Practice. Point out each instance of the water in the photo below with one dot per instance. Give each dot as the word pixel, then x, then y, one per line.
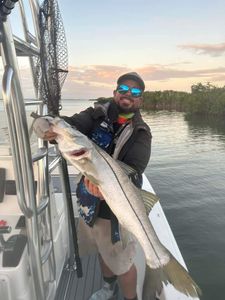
pixel 4 133
pixel 187 171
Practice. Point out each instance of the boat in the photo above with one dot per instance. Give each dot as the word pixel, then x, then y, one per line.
pixel 39 256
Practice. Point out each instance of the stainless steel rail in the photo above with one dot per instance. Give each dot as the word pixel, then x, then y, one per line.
pixel 48 250
pixel 35 206
pixel 34 102
pixel 24 48
pixel 44 202
pixel 41 157
pixel 54 164
pixel 42 152
pixel 23 161
pixel 6 92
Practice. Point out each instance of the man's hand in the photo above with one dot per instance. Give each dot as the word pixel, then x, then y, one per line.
pixel 49 135
pixel 92 188
pixel 43 129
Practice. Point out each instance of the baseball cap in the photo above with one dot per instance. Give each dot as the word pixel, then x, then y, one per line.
pixel 134 76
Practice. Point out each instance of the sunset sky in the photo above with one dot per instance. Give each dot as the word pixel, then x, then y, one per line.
pixel 171 44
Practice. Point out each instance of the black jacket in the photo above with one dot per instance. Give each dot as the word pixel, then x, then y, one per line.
pixel 136 150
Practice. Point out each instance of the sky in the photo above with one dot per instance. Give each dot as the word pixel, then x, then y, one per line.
pixel 171 44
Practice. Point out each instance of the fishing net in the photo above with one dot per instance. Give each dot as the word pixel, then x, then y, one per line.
pixel 52 64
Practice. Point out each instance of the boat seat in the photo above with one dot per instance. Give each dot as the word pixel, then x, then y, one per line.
pixel 10 187
pixel 13 250
pixel 21 224
pixel 2 183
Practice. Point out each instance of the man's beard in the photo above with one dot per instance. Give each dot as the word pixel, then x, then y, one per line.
pixel 126 110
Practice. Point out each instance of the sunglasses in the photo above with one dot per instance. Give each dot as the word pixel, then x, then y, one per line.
pixel 123 89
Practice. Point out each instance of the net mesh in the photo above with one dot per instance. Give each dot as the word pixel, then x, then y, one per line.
pixel 52 65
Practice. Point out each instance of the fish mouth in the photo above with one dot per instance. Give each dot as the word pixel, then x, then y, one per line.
pixel 78 153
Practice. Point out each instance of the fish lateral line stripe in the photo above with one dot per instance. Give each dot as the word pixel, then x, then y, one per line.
pixel 131 206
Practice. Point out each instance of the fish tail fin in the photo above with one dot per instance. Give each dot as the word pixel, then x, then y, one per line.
pixel 179 277
pixel 152 283
pixel 173 273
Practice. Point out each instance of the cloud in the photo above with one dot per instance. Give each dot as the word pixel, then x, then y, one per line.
pixel 107 75
pixel 88 82
pixel 209 49
pixel 218 78
pixel 83 90
pixel 159 72
pixel 99 80
pixel 96 73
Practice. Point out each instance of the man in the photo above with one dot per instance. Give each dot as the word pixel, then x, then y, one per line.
pixel 117 127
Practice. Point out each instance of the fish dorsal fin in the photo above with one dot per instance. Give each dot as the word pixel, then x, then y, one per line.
pixel 149 200
pixel 127 169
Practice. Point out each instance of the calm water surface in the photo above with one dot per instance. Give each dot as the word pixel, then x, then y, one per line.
pixel 187 171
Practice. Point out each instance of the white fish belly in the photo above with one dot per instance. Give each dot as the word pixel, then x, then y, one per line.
pixel 121 196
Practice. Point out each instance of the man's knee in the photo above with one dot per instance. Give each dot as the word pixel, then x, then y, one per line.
pixel 130 275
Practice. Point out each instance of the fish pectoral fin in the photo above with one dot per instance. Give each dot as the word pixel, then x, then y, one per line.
pixel 149 200
pixel 78 177
pixel 127 169
pixel 92 179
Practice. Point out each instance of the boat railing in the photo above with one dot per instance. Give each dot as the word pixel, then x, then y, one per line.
pixel 15 137
pixel 33 202
pixel 22 161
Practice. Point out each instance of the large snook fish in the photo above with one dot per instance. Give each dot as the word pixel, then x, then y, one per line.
pixel 127 203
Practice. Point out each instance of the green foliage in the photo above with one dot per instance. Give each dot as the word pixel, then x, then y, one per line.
pixel 165 100
pixel 204 99
pixel 207 100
